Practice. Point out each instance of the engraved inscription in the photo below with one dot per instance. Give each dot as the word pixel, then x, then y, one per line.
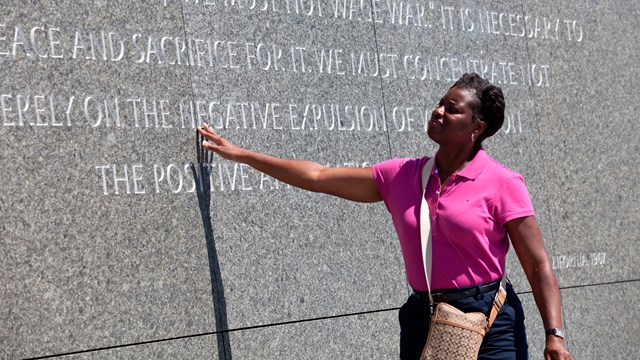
pixel 593 259
pixel 429 15
pixel 250 55
pixel 125 179
pixel 36 110
pixel 175 178
pixel 510 24
pixel 139 112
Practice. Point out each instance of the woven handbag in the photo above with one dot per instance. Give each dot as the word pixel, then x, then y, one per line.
pixel 453 334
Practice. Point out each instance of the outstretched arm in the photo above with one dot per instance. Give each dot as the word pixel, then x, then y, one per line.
pixel 527 242
pixel 356 184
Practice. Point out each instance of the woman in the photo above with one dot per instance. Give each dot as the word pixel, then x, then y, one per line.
pixel 474 203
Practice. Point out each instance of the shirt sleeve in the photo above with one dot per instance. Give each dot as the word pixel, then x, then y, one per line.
pixel 513 200
pixel 383 174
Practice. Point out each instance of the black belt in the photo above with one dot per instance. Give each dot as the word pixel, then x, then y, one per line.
pixel 457 294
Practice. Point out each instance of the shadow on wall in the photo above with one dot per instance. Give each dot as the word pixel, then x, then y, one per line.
pixel 201 173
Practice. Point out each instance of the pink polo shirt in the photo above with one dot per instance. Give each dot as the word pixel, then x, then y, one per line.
pixel 470 242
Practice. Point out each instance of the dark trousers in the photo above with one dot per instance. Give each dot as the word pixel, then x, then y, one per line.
pixel 506 339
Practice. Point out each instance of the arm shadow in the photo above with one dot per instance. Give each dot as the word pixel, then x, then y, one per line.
pixel 201 175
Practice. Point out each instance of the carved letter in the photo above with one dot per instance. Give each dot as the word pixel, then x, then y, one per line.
pixel 178 188
pixel 34 43
pixel 2 39
pixel 158 175
pixel 97 122
pixel 53 42
pixel 137 188
pixel 37 102
pixel 115 39
pixel 104 178
pixel 5 110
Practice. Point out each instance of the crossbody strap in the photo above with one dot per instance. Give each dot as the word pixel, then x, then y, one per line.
pixel 498 301
pixel 426 247
pixel 425 226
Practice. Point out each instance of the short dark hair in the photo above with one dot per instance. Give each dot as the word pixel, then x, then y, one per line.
pixel 490 105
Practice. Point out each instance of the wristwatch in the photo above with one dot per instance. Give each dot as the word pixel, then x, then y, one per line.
pixel 555 332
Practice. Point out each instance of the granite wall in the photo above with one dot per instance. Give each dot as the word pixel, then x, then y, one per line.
pixel 116 242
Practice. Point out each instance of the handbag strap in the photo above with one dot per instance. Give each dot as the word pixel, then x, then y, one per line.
pixel 425 226
pixel 426 248
pixel 498 301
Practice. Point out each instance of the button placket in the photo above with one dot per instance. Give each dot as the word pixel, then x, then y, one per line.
pixel 437 202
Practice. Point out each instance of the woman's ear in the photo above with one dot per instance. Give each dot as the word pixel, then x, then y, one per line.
pixel 478 128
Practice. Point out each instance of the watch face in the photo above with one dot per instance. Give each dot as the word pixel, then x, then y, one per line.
pixel 555 332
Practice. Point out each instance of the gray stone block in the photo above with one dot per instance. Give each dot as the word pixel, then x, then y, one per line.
pixel 322 269
pixel 202 347
pixel 289 253
pixel 601 322
pixel 588 144
pixel 592 322
pixel 82 269
pixel 366 336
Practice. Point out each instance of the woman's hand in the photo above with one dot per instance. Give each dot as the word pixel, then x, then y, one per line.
pixel 555 349
pixel 220 145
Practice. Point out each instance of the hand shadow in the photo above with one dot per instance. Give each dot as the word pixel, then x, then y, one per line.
pixel 201 173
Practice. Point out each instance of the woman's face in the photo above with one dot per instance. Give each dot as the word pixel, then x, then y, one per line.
pixel 452 120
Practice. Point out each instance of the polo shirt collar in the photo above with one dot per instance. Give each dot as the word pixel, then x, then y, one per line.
pixel 474 168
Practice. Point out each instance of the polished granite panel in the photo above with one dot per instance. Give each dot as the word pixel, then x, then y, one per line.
pixel 588 140
pixel 283 82
pixel 95 249
pixel 597 326
pixel 602 321
pixel 365 336
pixel 201 347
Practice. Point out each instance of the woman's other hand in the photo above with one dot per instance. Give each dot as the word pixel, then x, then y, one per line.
pixel 555 349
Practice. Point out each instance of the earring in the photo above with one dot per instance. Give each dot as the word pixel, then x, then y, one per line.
pixel 472 139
